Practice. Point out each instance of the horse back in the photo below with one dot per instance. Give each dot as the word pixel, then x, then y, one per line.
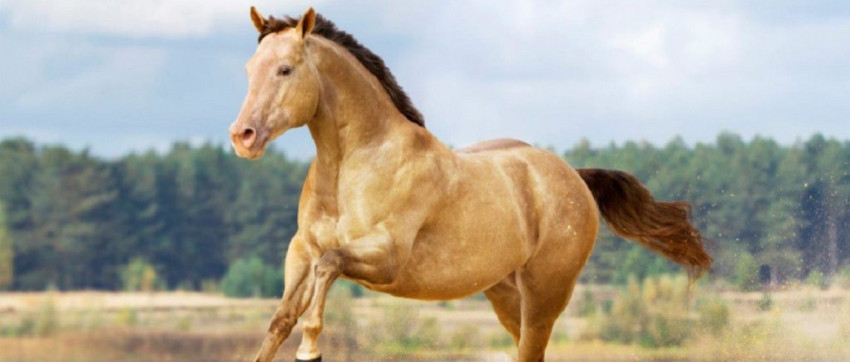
pixel 493 145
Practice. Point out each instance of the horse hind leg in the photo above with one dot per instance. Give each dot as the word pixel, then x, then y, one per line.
pixel 545 285
pixel 505 298
pixel 540 308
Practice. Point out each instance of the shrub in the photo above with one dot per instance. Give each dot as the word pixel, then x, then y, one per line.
pixel 713 315
pixel 252 278
pixel 428 334
pixel 401 333
pixel 765 303
pixel 139 275
pixel 127 317
pixel 7 254
pixel 354 290
pixel 587 305
pixel 339 316
pixel 43 322
pixel 47 320
pixel 400 322
pixel 818 279
pixel 500 340
pixel 465 338
pixel 656 313
pixel 746 273
pixel 843 277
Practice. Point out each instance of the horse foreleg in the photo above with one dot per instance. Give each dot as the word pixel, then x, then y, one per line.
pixel 365 259
pixel 298 289
pixel 329 268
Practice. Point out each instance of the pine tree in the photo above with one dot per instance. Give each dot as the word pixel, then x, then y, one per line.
pixel 7 253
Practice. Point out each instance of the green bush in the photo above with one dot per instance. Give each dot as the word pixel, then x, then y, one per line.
pixel 587 305
pixel 139 275
pixel 501 340
pixel 339 317
pixel 252 278
pixel 44 322
pixel 818 279
pixel 713 315
pixel 843 277
pixel 7 254
pixel 400 324
pixel 765 303
pixel 746 273
pixel 465 338
pixel 401 333
pixel 354 290
pixel 656 313
pixel 47 320
pixel 428 334
pixel 127 317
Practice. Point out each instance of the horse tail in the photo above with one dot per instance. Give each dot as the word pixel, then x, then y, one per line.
pixel 632 213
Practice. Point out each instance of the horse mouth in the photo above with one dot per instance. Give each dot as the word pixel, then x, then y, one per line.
pixel 251 156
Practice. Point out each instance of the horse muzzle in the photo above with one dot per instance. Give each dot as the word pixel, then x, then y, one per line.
pixel 248 141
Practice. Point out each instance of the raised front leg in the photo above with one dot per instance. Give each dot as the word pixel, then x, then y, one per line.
pixel 367 259
pixel 327 270
pixel 298 284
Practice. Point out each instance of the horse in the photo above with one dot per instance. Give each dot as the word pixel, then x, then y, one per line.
pixel 388 206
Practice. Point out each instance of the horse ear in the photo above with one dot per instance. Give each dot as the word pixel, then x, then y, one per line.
pixel 257 19
pixel 305 25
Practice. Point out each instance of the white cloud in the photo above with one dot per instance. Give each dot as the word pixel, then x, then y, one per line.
pixel 120 74
pixel 620 70
pixel 546 72
pixel 133 18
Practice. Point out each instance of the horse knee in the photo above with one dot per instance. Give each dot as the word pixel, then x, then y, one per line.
pixel 282 322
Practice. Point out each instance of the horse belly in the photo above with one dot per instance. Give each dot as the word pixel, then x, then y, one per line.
pixel 458 262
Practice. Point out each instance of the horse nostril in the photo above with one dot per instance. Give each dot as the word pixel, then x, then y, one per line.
pixel 248 137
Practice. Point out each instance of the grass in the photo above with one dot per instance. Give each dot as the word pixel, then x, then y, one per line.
pixel 802 322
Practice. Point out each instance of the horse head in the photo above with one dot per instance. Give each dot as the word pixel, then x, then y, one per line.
pixel 283 87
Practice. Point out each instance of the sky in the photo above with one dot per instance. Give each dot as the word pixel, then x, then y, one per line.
pixel 128 76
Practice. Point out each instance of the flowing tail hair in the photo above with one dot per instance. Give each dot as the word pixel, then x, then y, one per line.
pixel 632 213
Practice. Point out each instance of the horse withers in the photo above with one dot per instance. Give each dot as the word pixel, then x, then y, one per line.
pixel 387 205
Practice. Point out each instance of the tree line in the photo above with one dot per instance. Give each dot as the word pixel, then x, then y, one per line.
pixel 70 220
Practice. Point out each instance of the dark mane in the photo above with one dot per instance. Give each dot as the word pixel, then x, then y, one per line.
pixel 326 29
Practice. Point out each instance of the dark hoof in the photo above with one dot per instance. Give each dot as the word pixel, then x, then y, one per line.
pixel 317 359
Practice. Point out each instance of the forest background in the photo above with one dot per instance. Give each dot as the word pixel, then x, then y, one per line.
pixel 199 218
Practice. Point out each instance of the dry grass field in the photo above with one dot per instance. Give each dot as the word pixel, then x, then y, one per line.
pixel 799 323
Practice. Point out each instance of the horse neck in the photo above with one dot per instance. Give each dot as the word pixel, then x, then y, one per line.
pixel 354 111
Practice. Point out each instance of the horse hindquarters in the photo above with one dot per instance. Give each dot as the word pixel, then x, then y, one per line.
pixel 567 227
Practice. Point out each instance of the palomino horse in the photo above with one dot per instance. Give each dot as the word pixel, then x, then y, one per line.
pixel 388 206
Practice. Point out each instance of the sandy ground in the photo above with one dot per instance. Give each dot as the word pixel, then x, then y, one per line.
pixel 808 321
pixel 82 300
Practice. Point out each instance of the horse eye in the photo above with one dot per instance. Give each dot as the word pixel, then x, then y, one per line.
pixel 284 70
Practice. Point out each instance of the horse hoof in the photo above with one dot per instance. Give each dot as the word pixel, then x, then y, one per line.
pixel 317 359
